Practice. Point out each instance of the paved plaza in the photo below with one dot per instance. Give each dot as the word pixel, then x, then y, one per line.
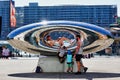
pixel 100 68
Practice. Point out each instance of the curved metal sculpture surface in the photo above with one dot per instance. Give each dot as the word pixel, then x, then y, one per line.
pixel 33 38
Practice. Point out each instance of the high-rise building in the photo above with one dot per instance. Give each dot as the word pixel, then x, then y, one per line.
pixel 19 16
pixel 4 18
pixel 101 15
pixel 6 8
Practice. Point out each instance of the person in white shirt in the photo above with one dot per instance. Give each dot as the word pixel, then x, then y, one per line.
pixel 5 52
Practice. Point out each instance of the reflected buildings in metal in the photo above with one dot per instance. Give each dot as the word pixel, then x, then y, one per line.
pixel 32 38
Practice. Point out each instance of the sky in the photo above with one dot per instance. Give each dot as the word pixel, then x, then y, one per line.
pixel 69 2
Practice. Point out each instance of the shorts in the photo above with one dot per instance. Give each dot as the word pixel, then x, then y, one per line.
pixel 69 64
pixel 78 57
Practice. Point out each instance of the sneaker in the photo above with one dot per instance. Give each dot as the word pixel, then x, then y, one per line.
pixel 78 73
pixel 71 71
pixel 67 71
pixel 85 69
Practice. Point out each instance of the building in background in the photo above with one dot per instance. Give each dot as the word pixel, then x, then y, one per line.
pixel 101 15
pixel 5 9
pixel 4 18
pixel 19 16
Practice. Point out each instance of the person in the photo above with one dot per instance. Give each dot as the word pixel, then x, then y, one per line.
pixel 57 42
pixel 69 61
pixel 5 52
pixel 61 53
pixel 78 55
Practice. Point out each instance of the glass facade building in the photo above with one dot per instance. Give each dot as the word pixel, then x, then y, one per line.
pixel 5 21
pixel 19 16
pixel 4 18
pixel 101 15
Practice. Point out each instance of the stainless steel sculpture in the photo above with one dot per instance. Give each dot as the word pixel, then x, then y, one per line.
pixel 32 38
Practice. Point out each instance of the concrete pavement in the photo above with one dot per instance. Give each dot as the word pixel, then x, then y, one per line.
pixel 100 68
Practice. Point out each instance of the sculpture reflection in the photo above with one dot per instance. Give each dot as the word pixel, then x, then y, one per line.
pixel 34 38
pixel 56 43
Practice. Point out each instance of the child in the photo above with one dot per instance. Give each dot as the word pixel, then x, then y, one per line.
pixel 61 54
pixel 69 61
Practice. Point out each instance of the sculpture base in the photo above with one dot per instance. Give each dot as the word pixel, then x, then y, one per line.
pixel 52 64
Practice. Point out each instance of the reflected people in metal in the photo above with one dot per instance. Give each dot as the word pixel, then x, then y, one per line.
pixel 45 37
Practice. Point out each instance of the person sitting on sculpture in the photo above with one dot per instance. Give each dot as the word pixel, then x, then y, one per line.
pixel 57 42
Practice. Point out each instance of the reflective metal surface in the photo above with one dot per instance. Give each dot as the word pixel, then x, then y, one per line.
pixel 33 38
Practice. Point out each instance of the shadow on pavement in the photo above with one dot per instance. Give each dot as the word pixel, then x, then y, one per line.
pixel 88 75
